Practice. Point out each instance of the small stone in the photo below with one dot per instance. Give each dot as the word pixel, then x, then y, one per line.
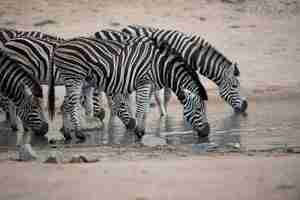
pixel 115 24
pixel 76 159
pixel 233 1
pixel 44 22
pixel 202 18
pixel 234 145
pixel 250 154
pixel 88 159
pixel 55 157
pixel 153 141
pixel 26 153
pixel 293 149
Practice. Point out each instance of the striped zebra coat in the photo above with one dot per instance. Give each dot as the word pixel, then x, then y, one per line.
pixel 116 68
pixel 14 82
pixel 201 57
pixel 168 70
pixel 110 34
pixel 32 51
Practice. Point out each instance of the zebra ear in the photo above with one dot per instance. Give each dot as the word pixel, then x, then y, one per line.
pixel 236 71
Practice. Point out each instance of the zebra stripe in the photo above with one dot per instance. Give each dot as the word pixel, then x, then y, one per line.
pixel 13 84
pixel 114 67
pixel 201 57
pixel 170 71
pixel 32 50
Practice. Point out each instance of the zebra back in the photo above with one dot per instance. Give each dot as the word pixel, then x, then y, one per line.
pixel 15 76
pixel 197 52
pixel 166 53
pixel 33 55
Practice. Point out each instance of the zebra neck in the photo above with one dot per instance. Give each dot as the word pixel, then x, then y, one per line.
pixel 206 60
pixel 196 52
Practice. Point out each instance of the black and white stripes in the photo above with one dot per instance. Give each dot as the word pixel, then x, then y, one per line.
pixel 13 83
pixel 201 57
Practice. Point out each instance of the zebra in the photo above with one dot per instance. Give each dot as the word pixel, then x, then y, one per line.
pixel 201 57
pixel 14 82
pixel 32 50
pixel 162 66
pixel 6 35
pixel 116 68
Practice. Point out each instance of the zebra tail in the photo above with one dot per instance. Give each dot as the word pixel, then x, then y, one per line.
pixel 51 89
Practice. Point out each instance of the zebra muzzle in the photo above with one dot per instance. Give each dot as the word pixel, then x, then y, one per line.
pixel 243 107
pixel 131 124
pixel 204 132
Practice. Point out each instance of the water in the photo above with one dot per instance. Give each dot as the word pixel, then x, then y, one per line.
pixel 268 124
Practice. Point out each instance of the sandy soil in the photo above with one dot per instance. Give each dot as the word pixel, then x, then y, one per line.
pixel 206 177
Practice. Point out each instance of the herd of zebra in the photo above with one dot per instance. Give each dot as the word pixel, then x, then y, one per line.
pixel 116 63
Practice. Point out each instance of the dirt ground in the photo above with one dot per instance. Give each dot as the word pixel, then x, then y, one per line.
pixel 207 177
pixel 261 35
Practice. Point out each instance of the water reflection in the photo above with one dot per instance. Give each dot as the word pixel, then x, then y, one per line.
pixel 268 124
pixel 225 133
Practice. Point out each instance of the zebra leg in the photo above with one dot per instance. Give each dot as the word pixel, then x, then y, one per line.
pixel 87 93
pixel 72 106
pixel 131 103
pixel 142 107
pixel 159 96
pixel 13 116
pixel 98 99
pixel 65 115
pixel 167 96
pixel 120 107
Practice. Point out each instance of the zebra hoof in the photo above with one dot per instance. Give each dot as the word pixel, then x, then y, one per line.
pixel 131 124
pixel 66 134
pixel 80 136
pixel 204 132
pixel 100 114
pixel 43 130
pixel 139 134
pixel 14 128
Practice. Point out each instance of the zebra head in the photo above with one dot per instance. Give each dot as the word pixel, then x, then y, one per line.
pixel 194 111
pixel 32 115
pixel 229 89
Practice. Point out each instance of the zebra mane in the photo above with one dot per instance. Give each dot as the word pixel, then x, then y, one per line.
pixel 41 36
pixel 203 43
pixel 193 38
pixel 170 51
